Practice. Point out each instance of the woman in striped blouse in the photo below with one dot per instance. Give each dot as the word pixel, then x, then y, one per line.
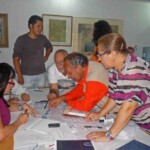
pixel 129 87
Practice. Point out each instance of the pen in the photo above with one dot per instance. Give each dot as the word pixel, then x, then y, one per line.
pixel 42 101
pixel 46 104
pixel 88 126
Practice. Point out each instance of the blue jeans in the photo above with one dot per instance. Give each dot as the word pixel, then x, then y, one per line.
pixel 35 81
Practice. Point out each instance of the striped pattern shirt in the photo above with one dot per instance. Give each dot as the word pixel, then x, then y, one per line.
pixel 133 84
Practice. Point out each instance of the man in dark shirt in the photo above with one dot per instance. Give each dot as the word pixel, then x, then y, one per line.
pixel 29 56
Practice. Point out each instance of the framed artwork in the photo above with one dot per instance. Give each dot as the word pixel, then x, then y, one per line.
pixel 83 30
pixel 58 29
pixel 3 30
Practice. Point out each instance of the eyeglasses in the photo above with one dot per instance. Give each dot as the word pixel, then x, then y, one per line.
pixel 100 55
pixel 12 83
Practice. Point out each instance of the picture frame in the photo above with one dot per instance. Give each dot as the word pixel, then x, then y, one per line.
pixel 58 29
pixel 3 30
pixel 83 30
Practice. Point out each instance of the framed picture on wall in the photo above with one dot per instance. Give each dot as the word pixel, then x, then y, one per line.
pixel 58 29
pixel 3 30
pixel 83 30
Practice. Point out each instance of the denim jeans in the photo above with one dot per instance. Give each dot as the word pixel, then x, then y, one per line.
pixel 35 81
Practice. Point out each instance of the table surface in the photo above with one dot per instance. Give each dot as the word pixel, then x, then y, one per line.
pixel 75 131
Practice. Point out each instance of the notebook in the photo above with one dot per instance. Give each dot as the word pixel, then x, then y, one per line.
pixel 134 145
pixel 74 145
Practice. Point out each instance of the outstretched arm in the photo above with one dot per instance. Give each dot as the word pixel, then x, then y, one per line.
pixel 8 130
pixel 124 115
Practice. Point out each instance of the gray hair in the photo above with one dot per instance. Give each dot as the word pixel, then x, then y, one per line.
pixel 76 59
pixel 61 51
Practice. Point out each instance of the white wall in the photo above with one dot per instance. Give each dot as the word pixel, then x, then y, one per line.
pixel 135 14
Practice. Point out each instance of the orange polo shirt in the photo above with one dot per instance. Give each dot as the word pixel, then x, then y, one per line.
pixel 87 93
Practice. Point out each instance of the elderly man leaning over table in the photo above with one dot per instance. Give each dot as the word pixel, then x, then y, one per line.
pixel 91 80
pixel 57 75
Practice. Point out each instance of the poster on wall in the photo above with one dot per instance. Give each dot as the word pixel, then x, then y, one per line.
pixel 3 30
pixel 58 29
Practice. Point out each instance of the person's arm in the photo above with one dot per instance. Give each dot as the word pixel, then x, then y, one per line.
pixel 95 91
pixel 18 107
pixel 54 91
pixel 16 61
pixel 9 130
pixel 124 115
pixel 76 93
pixel 18 89
pixel 47 53
pixel 106 109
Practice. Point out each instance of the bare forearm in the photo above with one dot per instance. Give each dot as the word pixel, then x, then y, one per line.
pixel 122 119
pixel 48 52
pixel 10 130
pixel 16 62
pixel 107 107
pixel 54 91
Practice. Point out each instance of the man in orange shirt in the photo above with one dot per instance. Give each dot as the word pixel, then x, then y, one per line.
pixel 91 80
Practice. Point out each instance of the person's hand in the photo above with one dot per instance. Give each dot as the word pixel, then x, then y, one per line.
pixel 45 58
pixel 13 107
pixel 20 80
pixel 98 136
pixel 55 102
pixel 23 118
pixel 25 97
pixel 92 116
pixel 14 100
pixel 51 96
pixel 30 110
pixel 67 109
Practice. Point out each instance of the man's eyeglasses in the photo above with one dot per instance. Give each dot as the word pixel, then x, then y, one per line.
pixel 12 83
pixel 100 55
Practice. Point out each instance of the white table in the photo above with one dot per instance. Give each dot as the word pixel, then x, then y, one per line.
pixel 78 131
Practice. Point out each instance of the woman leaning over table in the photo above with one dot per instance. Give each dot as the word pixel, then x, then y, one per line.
pixel 7 75
pixel 129 87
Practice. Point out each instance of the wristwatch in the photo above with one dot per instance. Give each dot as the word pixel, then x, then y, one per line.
pixel 109 135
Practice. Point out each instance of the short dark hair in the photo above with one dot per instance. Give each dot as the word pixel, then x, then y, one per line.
pixel 32 20
pixel 101 28
pixel 76 59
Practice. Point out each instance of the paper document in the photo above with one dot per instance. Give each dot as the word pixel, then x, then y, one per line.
pixel 73 112
pixel 41 125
